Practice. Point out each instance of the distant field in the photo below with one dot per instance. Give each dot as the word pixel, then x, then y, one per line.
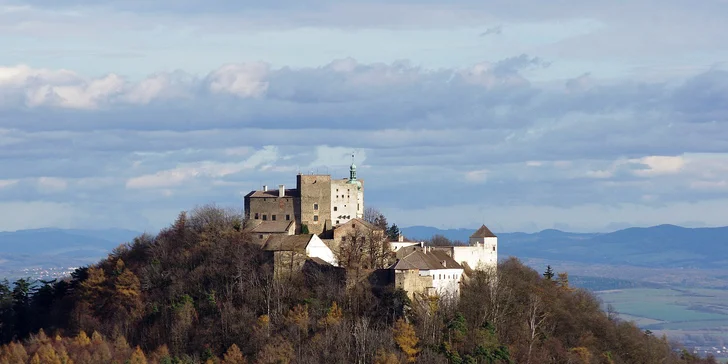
pixel 693 308
pixel 695 317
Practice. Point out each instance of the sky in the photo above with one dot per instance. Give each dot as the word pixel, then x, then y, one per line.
pixel 523 115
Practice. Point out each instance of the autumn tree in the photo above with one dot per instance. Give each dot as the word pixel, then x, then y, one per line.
pixel 406 339
pixel 233 356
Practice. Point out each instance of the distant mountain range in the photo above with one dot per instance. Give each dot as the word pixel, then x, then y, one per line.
pixel 662 246
pixel 51 248
pixel 658 246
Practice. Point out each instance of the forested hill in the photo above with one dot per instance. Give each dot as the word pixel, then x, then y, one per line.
pixel 200 292
pixel 656 246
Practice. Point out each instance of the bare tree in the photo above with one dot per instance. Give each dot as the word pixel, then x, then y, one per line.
pixel 536 317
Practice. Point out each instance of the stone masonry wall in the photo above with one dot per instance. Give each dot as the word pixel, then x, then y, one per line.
pixel 315 192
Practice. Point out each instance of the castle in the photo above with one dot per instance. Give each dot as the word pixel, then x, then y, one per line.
pixel 309 223
pixel 317 204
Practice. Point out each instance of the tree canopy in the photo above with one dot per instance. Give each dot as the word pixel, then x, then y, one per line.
pixel 202 292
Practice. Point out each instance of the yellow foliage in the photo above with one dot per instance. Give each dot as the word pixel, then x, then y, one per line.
pixel 298 316
pixel 47 355
pixel 82 339
pixel 93 286
pixel 63 355
pixel 385 357
pixel 96 338
pixel 583 353
pixel 233 356
pixel 137 357
pixel 277 351
pixel 333 317
pixel 15 353
pixel 35 359
pixel 406 339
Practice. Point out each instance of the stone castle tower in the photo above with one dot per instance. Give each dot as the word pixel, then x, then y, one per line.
pixel 317 204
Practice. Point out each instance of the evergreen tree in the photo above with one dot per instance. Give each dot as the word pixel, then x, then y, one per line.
pixel 549 274
pixel 393 232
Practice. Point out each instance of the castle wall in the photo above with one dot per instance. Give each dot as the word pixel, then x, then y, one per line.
pixel 315 201
pixel 347 201
pixel 476 256
pixel 445 282
pixel 286 263
pixel 280 207
pixel 354 228
pixel 413 283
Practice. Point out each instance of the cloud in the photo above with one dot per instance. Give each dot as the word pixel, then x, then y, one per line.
pixel 497 30
pixel 51 184
pixel 657 165
pixel 477 176
pixel 7 182
pixel 173 140
pixel 209 169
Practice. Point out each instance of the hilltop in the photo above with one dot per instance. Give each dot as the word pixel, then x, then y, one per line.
pixel 201 288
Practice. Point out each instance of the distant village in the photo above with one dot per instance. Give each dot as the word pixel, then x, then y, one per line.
pixel 321 223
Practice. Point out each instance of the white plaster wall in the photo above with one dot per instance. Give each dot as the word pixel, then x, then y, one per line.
pixel 445 281
pixel 344 197
pixel 475 256
pixel 316 248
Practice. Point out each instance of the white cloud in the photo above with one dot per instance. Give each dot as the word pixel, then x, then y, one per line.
pixel 242 80
pixel 51 184
pixel 477 175
pixel 207 169
pixel 7 182
pixel 326 156
pixel 659 165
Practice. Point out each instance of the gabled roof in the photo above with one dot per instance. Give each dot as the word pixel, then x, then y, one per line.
pixel 483 232
pixel 430 260
pixel 277 243
pixel 363 222
pixel 272 227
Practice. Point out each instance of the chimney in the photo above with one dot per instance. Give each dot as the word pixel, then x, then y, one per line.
pixel 444 263
pixel 265 188
pixel 281 190
pixel 400 238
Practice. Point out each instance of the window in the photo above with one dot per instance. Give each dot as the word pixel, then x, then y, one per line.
pixel 315 206
pixel 337 222
pixel 353 226
pixel 315 217
pixel 260 236
pixel 336 208
pixel 256 216
pixel 265 217
pixel 273 217
pixel 288 217
pixel 493 248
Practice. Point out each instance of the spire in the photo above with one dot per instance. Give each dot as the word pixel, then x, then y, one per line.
pixel 352 169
